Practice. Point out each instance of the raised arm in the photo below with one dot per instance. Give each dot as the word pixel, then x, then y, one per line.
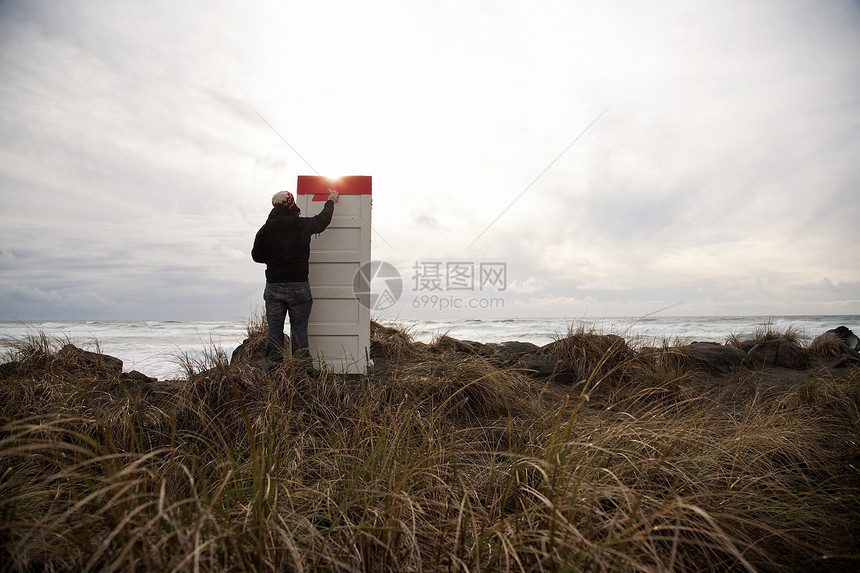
pixel 318 223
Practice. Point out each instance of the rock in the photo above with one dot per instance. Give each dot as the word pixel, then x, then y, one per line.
pixel 840 343
pixel 587 344
pixel 585 355
pixel 835 336
pixel 386 341
pixel 508 353
pixel 780 353
pixel 714 356
pixel 89 359
pixel 253 349
pixel 845 361
pixel 502 353
pixel 9 369
pixel 747 345
pixel 139 377
pixel 450 364
pixel 544 366
pixel 848 337
pixel 448 343
pixel 515 347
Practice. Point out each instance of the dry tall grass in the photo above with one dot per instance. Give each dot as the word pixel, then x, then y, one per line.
pixel 439 461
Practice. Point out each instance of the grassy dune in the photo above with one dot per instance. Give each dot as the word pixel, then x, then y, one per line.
pixel 441 461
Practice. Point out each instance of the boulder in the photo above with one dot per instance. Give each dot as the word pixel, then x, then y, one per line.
pixel 88 359
pixel 848 337
pixel 779 352
pixel 588 345
pixel 513 347
pixel 253 349
pixel 9 369
pixel 837 338
pixel 714 356
pixel 845 361
pixel 450 344
pixel 544 366
pixel 139 377
pixel 510 352
pixel 386 341
pixel 840 343
pixel 583 355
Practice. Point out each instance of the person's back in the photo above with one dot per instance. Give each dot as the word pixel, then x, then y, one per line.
pixel 283 245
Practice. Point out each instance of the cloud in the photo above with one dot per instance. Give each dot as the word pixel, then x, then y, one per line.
pixel 429 221
pixel 528 286
pixel 134 171
pixel 24 294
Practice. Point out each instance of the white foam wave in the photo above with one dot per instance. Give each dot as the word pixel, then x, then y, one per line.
pixel 157 348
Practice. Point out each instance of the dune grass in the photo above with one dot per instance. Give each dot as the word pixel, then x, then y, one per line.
pixel 766 331
pixel 438 462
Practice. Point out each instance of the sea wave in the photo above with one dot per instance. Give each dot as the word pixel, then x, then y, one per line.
pixel 160 347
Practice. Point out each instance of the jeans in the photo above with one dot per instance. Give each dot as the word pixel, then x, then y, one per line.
pixel 282 298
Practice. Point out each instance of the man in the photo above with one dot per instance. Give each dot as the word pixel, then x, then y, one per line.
pixel 284 245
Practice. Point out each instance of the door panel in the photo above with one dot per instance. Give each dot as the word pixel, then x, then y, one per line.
pixel 339 327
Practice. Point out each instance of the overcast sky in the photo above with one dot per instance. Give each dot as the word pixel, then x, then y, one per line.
pixel 722 178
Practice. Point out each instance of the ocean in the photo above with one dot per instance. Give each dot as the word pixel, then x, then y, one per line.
pixel 159 348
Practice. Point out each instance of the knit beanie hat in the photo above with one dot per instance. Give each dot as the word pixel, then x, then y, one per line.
pixel 285 199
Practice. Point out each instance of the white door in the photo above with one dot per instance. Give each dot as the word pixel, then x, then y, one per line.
pixel 339 327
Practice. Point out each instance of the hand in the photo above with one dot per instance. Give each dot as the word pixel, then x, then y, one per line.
pixel 333 195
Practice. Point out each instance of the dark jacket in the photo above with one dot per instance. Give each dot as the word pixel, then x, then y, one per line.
pixel 284 243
